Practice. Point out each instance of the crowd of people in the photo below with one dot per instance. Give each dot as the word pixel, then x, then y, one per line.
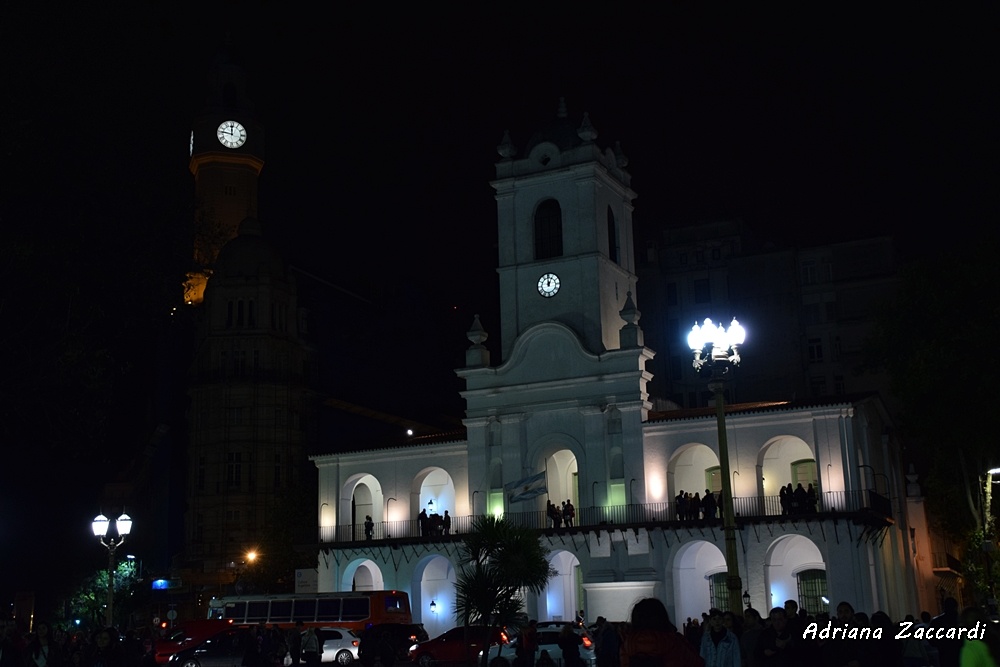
pixel 789 637
pixel 693 507
pixel 798 500
pixel 48 646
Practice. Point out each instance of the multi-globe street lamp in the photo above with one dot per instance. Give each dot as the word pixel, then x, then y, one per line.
pixel 716 350
pixel 123 526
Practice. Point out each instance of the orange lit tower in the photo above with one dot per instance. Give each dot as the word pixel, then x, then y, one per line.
pixel 227 155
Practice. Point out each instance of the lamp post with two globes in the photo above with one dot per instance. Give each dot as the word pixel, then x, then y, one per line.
pixel 123 526
pixel 716 350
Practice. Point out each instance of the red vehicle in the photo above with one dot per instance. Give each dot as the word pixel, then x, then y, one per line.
pixel 457 645
pixel 190 633
pixel 355 611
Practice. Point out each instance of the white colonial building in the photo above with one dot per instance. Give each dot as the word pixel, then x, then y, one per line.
pixel 569 400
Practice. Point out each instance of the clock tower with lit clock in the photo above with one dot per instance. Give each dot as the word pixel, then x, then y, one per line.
pixel 565 221
pixel 227 155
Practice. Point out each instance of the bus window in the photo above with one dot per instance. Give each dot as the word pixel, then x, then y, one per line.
pixel 328 610
pixel 394 605
pixel 237 611
pixel 355 609
pixel 304 610
pixel 281 611
pixel 257 611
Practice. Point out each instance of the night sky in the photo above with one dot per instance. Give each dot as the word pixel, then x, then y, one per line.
pixel 381 135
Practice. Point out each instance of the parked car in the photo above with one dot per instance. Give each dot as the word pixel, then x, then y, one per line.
pixel 548 638
pixel 389 642
pixel 225 649
pixel 457 645
pixel 186 635
pixel 340 645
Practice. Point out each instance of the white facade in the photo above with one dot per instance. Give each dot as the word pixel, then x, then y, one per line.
pixel 569 400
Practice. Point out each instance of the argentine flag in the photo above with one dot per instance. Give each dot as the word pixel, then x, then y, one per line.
pixel 527 488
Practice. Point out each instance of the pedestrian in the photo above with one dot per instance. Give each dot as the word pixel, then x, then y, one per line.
pixel 369 526
pixel 310 648
pixel 446 523
pixel 710 505
pixel 294 641
pixel 422 522
pixel 653 640
pixel 527 644
pixel 569 513
pixel 569 643
pixel 682 506
pixel 719 646
pixel 785 500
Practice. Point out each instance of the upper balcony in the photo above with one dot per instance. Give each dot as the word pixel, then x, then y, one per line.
pixel 865 507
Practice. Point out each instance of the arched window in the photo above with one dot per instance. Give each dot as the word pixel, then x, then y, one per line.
pixel 548 230
pixel 613 248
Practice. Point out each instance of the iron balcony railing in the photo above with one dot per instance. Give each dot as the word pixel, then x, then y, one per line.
pixel 752 508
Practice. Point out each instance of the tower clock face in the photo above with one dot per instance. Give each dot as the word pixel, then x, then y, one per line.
pixel 231 134
pixel 548 285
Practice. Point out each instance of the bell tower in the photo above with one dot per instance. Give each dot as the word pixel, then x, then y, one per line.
pixel 227 156
pixel 565 229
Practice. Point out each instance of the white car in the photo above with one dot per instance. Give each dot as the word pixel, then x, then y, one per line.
pixel 340 645
pixel 548 637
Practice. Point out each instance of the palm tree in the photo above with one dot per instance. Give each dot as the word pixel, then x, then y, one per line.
pixel 499 560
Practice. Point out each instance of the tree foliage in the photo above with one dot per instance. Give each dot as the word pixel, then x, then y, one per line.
pixel 87 603
pixel 498 561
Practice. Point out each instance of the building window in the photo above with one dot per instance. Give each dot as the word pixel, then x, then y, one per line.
pixel 718 592
pixel 239 313
pixel 683 259
pixel 252 314
pixel 716 254
pixel 675 367
pixel 713 479
pixel 234 468
pixel 699 256
pixel 613 248
pixel 812 590
pixel 702 291
pixel 815 350
pixel 671 294
pixel 839 386
pixel 548 230
pixel 817 386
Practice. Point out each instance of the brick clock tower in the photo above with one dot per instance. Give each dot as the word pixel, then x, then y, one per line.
pixel 227 155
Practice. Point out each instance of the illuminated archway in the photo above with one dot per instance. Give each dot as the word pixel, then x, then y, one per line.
pixel 786 558
pixel 362 574
pixel 434 581
pixel 360 497
pixel 688 469
pixel 433 491
pixel 776 459
pixel 561 598
pixel 694 565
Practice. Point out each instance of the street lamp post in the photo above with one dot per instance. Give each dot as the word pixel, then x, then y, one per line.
pixel 716 350
pixel 123 526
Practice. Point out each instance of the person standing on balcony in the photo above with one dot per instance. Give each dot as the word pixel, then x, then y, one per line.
pixel 369 526
pixel 682 506
pixel 569 513
pixel 708 502
pixel 785 499
pixel 446 523
pixel 811 499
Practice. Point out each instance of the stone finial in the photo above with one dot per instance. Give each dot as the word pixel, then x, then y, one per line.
pixel 620 157
pixel 630 334
pixel 477 355
pixel 587 131
pixel 562 112
pixel 506 149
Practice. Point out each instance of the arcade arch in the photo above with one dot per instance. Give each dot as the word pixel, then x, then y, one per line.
pixel 696 567
pixel 433 491
pixel 563 594
pixel 794 569
pixel 783 460
pixel 690 469
pixel 362 575
pixel 434 580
